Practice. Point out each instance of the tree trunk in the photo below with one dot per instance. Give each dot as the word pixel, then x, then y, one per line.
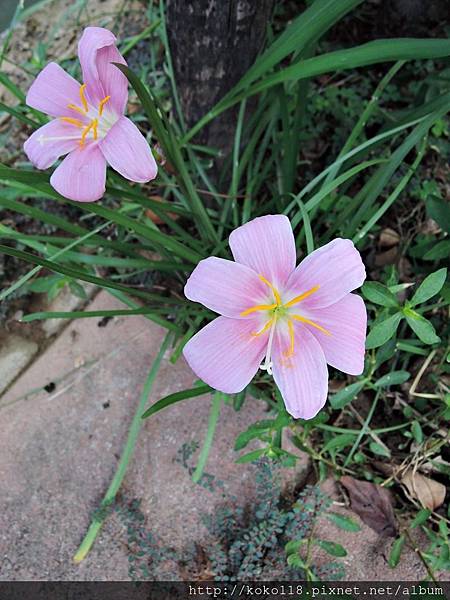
pixel 213 43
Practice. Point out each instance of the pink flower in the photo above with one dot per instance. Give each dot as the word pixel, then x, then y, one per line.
pixel 288 321
pixel 89 123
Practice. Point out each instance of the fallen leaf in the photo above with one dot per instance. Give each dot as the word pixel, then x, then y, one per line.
pixel 334 385
pixel 389 238
pixel 387 258
pixel 430 227
pixel 153 216
pixel 373 504
pixel 430 493
pixel 383 467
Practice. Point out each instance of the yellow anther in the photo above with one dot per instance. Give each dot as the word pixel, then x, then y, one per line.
pixel 298 299
pixel 83 98
pixel 308 322
pixel 290 351
pixel 94 128
pixel 77 109
pixel 86 130
pixel 264 329
pixel 258 307
pixel 102 104
pixel 75 122
pixel 276 293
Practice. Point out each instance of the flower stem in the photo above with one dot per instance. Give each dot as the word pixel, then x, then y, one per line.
pixel 127 454
pixel 212 422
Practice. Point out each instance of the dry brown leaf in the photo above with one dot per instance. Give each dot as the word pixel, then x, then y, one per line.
pixel 430 493
pixel 387 258
pixel 334 385
pixel 389 238
pixel 373 504
pixel 384 467
pixel 430 227
pixel 153 216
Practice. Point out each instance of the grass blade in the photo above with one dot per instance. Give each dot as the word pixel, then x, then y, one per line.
pixel 127 454
pixel 212 423
pixel 85 314
pixel 172 150
pixel 176 397
pixel 374 52
pixel 84 276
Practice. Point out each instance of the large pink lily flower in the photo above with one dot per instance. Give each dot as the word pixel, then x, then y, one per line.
pixel 89 123
pixel 288 321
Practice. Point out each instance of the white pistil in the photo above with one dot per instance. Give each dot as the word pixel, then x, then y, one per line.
pixel 47 138
pixel 267 364
pixel 95 123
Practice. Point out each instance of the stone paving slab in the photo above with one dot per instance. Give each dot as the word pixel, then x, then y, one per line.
pixel 59 449
pixel 15 353
pixel 64 424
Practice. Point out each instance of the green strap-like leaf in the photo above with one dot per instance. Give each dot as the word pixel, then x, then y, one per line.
pixel 176 397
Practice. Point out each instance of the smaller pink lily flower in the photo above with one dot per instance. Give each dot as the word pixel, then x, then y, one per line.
pixel 89 123
pixel 285 320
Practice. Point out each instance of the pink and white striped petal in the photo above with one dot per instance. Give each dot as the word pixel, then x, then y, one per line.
pixel 266 245
pixel 97 51
pixel 335 268
pixel 52 91
pixel 225 354
pixel 50 142
pixel 128 152
pixel 82 174
pixel 226 287
pixel 302 377
pixel 346 322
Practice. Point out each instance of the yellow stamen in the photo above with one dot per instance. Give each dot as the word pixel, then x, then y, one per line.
pixel 298 299
pixel 102 104
pixel 264 329
pixel 290 352
pixel 83 98
pixel 94 128
pixel 86 130
pixel 77 109
pixel 305 320
pixel 258 307
pixel 276 293
pixel 75 122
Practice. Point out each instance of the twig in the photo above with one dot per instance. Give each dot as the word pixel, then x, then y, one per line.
pixel 420 555
pixel 370 432
pixel 423 368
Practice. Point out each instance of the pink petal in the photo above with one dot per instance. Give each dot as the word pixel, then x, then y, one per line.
pixel 336 268
pixel 267 246
pixel 303 377
pixel 225 287
pixel 42 150
pixel 225 354
pixel 82 174
pixel 96 51
pixel 346 321
pixel 127 151
pixel 52 90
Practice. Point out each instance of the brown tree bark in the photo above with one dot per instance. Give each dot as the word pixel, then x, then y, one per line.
pixel 213 43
